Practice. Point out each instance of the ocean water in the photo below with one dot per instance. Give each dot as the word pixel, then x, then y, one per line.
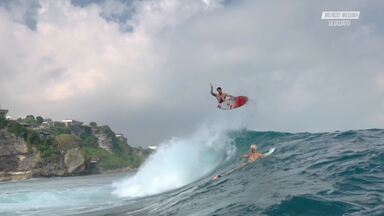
pixel 338 173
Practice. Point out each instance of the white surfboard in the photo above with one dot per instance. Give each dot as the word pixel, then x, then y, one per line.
pixel 270 151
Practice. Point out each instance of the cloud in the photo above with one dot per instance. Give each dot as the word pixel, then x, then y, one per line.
pixel 380 81
pixel 143 67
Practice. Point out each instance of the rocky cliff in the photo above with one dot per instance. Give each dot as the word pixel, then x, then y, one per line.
pixel 19 160
pixel 59 150
pixel 15 160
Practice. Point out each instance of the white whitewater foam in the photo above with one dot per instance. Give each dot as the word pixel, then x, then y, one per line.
pixel 178 162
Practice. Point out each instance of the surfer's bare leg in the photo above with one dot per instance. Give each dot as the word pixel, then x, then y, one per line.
pixel 239 167
pixel 235 169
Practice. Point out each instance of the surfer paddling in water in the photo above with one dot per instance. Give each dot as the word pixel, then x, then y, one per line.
pixel 254 155
pixel 220 95
pixel 251 157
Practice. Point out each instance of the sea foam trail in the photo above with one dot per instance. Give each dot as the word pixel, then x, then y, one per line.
pixel 178 162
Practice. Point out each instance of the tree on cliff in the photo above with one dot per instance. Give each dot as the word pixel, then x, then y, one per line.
pixel 3 123
pixel 39 120
pixel 17 129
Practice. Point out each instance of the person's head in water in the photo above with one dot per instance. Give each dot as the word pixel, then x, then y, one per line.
pixel 253 148
pixel 219 90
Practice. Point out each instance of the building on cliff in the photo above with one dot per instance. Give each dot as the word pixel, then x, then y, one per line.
pixel 26 125
pixel 71 122
pixel 152 147
pixel 121 137
pixel 3 113
pixel 47 123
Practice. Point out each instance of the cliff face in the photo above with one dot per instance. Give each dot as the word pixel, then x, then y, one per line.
pixel 59 150
pixel 103 140
pixel 74 161
pixel 16 159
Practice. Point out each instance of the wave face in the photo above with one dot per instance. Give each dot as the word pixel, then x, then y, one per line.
pixel 339 173
pixel 178 162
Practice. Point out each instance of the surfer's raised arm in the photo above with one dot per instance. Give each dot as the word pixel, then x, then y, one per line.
pixel 213 94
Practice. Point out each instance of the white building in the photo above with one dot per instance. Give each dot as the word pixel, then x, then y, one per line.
pixel 121 137
pixel 152 147
pixel 69 122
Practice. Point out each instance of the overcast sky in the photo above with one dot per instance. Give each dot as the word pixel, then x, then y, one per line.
pixel 144 67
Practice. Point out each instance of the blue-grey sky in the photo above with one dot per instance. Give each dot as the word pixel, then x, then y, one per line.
pixel 144 67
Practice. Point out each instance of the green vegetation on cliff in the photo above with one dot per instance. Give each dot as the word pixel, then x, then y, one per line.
pixel 99 144
pixel 107 160
pixel 3 123
pixel 47 147
pixel 67 141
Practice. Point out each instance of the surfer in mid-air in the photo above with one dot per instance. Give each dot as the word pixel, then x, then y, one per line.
pixel 220 95
pixel 251 157
pixel 231 102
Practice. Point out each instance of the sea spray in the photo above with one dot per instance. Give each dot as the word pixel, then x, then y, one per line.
pixel 179 161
